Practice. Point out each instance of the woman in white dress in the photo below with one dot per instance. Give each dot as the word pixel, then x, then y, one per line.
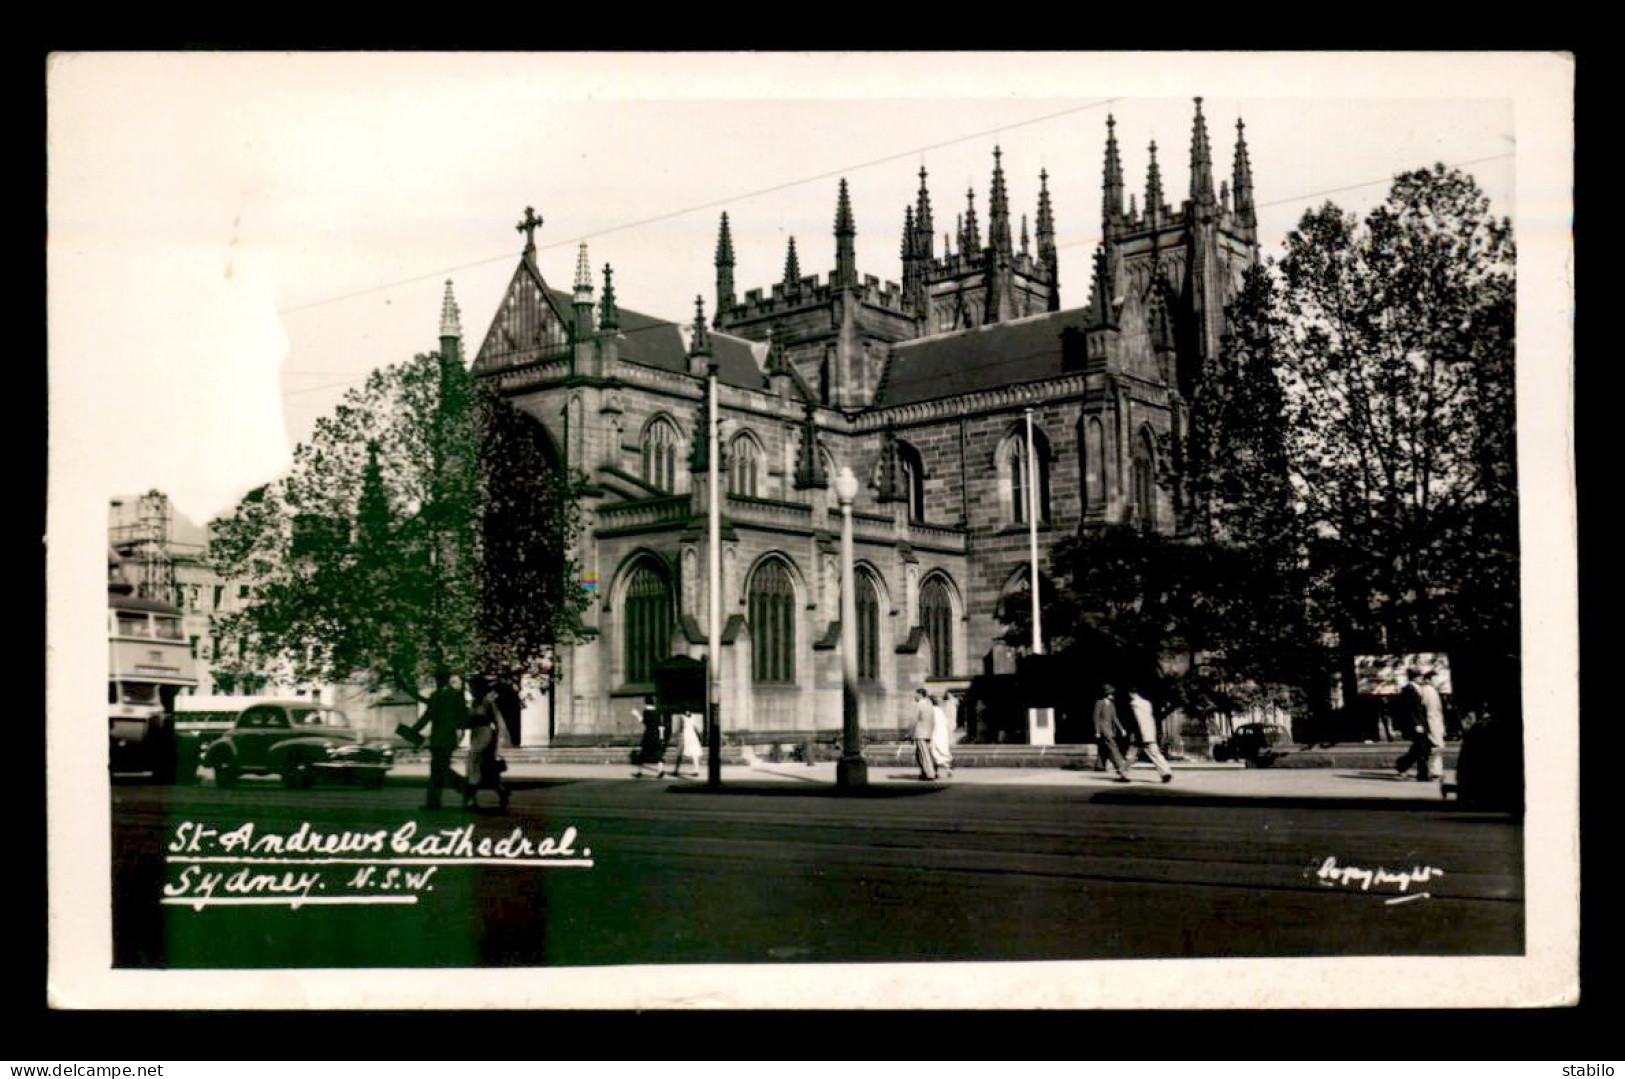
pixel 942 739
pixel 688 742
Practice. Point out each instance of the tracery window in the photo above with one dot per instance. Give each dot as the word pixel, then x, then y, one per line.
pixel 1145 481
pixel 660 455
pixel 868 612
pixel 1016 477
pixel 772 623
pixel 744 466
pixel 1094 462
pixel 937 619
pixel 646 622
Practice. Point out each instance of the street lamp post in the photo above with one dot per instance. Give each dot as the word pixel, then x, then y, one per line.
pixel 850 771
pixel 1032 533
pixel 1040 720
pixel 713 656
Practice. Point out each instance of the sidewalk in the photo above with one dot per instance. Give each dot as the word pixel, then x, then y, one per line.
pixel 1191 779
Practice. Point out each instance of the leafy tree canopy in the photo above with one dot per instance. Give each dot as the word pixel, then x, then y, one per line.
pixel 1347 472
pixel 1397 364
pixel 423 529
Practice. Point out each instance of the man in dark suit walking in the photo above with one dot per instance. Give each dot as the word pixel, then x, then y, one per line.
pixel 1108 729
pixel 446 716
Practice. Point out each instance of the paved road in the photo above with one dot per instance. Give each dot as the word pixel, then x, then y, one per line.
pixel 777 868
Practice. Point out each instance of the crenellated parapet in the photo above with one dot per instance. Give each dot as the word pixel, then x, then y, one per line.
pixel 809 291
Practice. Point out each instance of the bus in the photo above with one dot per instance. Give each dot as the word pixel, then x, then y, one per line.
pixel 149 663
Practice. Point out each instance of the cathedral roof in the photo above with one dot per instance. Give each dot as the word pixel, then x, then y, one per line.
pixel 658 342
pixel 985 358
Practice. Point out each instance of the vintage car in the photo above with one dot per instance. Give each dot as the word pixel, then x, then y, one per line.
pixel 1258 745
pixel 299 741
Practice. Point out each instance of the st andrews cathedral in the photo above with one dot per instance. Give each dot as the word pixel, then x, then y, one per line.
pixel 920 388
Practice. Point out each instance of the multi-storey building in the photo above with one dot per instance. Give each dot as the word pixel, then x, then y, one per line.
pixel 921 388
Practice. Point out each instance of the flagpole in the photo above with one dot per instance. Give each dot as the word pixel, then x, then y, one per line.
pixel 1032 532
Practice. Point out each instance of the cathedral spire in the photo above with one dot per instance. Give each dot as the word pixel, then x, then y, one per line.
pixel 699 446
pixel 846 258
pixel 971 241
pixel 792 268
pixel 583 294
pixel 700 343
pixel 583 275
pixel 1201 161
pixel 998 208
pixel 922 220
pixel 1112 201
pixel 1046 237
pixel 1242 187
pixel 1025 242
pixel 609 315
pixel 451 326
pixel 1104 290
pixel 725 268
pixel 913 263
pixel 1153 187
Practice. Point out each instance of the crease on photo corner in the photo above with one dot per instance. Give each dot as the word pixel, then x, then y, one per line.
pixel 1568 998
pixel 58 999
pixel 696 1001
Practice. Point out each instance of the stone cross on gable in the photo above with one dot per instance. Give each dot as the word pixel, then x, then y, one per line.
pixel 529 226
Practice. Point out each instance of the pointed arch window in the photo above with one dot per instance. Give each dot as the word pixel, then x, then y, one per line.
pixel 912 478
pixel 660 455
pixel 1144 481
pixel 646 621
pixel 868 611
pixel 937 619
pixel 1017 477
pixel 772 624
pixel 744 466
pixel 1094 462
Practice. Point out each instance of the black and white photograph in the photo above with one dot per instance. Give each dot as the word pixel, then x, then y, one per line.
pixel 814 530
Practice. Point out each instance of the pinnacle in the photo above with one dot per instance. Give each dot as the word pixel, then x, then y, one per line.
pixel 843 213
pixel 583 271
pixel 792 266
pixel 1201 159
pixel 610 316
pixel 450 320
pixel 725 243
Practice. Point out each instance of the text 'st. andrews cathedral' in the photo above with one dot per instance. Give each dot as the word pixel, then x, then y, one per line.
pixel 920 388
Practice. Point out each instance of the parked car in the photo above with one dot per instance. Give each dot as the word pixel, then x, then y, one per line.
pixel 299 741
pixel 1259 745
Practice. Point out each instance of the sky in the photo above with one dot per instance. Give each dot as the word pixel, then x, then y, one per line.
pixel 236 239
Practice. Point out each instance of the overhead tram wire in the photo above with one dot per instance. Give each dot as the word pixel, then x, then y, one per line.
pixel 713 204
pixel 1331 191
pixel 666 324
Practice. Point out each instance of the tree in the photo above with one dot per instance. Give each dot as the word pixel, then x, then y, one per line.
pixel 1397 364
pixel 418 522
pixel 1212 618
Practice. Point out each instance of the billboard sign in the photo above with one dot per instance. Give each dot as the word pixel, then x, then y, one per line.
pixel 1384 676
